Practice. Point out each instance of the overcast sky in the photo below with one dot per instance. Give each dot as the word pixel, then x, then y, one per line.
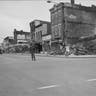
pixel 19 13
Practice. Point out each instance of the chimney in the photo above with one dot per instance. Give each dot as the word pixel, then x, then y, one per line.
pixel 72 2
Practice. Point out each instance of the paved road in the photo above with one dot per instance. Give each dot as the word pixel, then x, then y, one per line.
pixel 48 76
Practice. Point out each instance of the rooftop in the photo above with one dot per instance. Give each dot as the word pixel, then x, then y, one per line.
pixel 77 6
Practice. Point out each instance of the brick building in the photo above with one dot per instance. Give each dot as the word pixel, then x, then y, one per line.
pixel 71 22
pixel 41 33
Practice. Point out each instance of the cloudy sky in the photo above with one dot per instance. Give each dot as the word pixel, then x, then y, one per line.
pixel 19 13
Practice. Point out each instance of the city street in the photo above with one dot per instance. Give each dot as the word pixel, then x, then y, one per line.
pixel 47 76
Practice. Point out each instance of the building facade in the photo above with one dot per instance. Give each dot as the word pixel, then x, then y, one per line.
pixel 41 33
pixel 21 37
pixel 8 41
pixel 71 22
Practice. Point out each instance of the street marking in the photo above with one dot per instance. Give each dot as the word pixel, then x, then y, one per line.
pixel 46 87
pixel 91 80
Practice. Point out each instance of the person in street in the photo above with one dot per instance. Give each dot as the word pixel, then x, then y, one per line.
pixel 1 51
pixel 32 50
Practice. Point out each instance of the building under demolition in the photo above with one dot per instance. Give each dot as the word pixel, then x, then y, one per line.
pixel 71 24
pixel 41 33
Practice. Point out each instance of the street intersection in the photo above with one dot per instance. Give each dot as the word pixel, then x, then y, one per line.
pixel 47 76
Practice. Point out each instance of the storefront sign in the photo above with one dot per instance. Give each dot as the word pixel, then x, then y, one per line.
pixel 20 36
pixel 21 41
pixel 45 38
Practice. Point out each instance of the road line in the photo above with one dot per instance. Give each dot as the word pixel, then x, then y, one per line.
pixel 46 87
pixel 91 80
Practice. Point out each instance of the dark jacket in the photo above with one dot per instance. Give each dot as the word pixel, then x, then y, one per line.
pixel 32 48
pixel 0 51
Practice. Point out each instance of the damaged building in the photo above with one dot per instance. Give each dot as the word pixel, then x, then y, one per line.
pixel 41 33
pixel 72 24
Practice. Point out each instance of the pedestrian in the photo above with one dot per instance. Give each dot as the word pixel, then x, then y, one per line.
pixel 32 50
pixel 1 51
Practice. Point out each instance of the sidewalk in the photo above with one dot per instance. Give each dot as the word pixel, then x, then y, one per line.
pixel 70 56
pixel 58 56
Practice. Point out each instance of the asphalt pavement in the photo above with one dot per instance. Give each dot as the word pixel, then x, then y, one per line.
pixel 47 76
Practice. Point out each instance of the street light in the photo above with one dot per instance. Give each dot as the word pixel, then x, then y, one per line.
pixel 50 1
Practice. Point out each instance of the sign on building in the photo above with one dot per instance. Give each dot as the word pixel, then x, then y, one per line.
pixel 20 36
pixel 45 38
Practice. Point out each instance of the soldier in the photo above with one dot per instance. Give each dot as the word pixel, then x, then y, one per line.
pixel 32 50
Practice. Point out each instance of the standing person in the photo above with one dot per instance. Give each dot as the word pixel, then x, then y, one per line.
pixel 0 51
pixel 32 50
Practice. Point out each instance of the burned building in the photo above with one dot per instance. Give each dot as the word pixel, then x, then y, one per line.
pixel 72 22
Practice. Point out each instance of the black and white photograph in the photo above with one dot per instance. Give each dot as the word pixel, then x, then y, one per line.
pixel 47 47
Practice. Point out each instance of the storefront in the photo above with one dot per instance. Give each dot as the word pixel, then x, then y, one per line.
pixel 38 47
pixel 46 43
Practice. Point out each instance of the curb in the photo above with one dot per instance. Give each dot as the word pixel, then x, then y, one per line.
pixel 59 56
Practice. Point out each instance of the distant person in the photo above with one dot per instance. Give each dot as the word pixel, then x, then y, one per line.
pixel 0 51
pixel 32 50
